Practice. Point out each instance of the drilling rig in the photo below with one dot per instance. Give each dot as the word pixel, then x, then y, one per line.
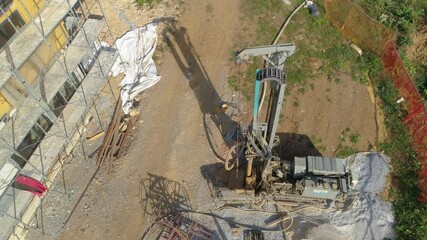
pixel 254 168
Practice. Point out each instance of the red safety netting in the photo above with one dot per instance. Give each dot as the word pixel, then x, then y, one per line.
pixel 372 35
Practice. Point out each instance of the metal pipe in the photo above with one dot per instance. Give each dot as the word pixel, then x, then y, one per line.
pixel 249 171
pixel 256 104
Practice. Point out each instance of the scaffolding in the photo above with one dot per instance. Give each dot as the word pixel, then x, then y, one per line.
pixel 50 113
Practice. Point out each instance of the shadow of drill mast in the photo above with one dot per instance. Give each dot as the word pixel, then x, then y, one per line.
pixel 192 67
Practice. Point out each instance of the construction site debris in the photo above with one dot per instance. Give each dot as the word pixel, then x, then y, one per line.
pixel 136 49
pixel 29 184
pixel 176 226
pixel 95 136
pixel 114 138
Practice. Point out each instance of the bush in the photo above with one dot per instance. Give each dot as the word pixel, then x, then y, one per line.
pixel 402 15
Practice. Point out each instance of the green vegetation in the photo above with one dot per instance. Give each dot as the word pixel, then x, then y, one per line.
pixel 346 151
pixel 402 15
pixel 232 82
pixel 321 50
pixel 318 144
pixel 268 16
pixel 346 143
pixel 418 72
pixel 149 3
pixel 420 79
pixel 411 216
pixel 354 138
pixel 209 8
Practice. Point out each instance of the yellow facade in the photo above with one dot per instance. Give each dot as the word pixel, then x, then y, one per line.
pixel 42 56
pixel 4 106
pixel 26 9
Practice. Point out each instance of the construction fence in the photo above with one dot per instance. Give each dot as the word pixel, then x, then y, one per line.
pixel 369 34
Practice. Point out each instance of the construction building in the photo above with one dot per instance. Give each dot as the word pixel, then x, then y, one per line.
pixel 54 65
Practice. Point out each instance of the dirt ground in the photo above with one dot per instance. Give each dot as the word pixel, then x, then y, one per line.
pixel 177 134
pixel 321 120
pixel 170 141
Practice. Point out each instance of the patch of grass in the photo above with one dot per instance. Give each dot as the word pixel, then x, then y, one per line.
pixel 248 84
pixel 418 73
pixel 266 17
pixel 281 118
pixel 315 38
pixel 209 8
pixel 149 3
pixel 337 79
pixel 338 56
pixel 346 143
pixel 421 80
pixel 232 82
pixel 318 144
pixel 346 151
pixel 355 138
pixel 344 134
pixel 368 65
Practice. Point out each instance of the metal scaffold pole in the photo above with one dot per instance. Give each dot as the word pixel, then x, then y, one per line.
pixel 69 131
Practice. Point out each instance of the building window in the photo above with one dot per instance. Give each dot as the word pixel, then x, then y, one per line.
pixel 32 140
pixel 5 3
pixel 44 123
pixel 67 90
pixel 57 104
pixel 28 145
pixel 3 40
pixel 9 26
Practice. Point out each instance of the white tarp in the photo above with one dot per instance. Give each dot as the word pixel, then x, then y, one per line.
pixel 136 49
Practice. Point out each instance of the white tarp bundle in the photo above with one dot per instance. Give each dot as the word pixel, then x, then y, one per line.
pixel 136 49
